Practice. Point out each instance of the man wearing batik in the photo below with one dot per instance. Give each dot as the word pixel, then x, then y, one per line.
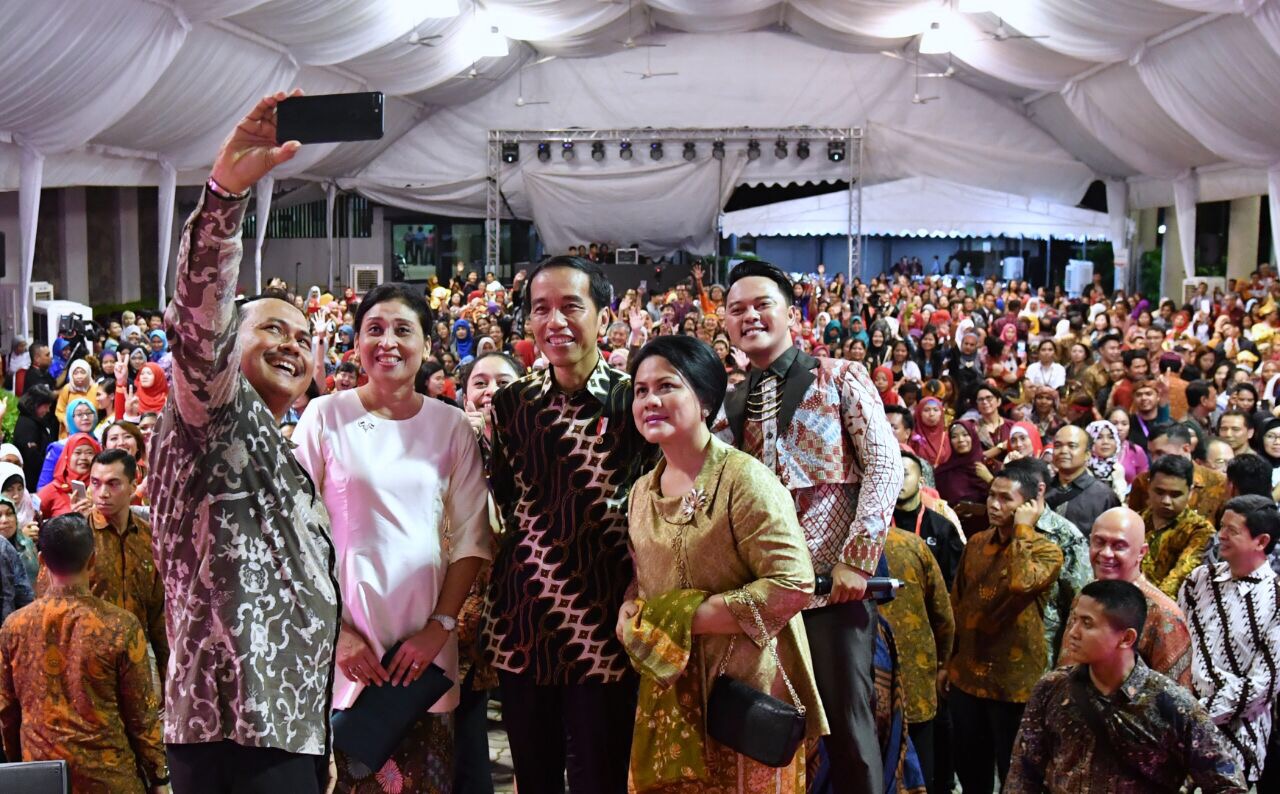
pixel 1111 724
pixel 1116 549
pixel 1234 610
pixel 1177 536
pixel 76 680
pixel 1208 487
pixel 827 439
pixel 1074 573
pixel 1005 574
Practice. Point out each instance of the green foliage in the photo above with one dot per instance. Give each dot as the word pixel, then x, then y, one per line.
pixel 1149 273
pixel 1104 262
pixel 105 310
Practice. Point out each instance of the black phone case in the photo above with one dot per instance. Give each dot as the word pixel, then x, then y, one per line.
pixel 330 118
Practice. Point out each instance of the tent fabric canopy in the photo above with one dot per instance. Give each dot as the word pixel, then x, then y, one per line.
pixel 921 207
pixel 1155 92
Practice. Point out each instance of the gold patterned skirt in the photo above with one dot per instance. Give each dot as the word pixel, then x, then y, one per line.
pixel 729 772
pixel 421 764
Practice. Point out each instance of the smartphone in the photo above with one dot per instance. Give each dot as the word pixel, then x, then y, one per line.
pixel 78 490
pixel 1022 348
pixel 330 118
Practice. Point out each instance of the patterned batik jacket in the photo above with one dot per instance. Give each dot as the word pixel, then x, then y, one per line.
pixel 1235 654
pixel 240 536
pixel 831 447
pixel 561 470
pixel 77 684
pixel 1147 737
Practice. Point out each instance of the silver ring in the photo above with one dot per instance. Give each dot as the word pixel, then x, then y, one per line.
pixel 416 665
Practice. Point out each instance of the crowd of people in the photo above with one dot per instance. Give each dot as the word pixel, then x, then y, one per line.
pixel 624 514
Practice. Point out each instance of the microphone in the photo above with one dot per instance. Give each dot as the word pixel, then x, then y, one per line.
pixel 880 589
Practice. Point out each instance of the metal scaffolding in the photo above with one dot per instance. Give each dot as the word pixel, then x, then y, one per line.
pixel 852 136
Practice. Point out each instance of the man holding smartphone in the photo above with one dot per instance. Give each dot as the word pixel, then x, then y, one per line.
pixel 241 538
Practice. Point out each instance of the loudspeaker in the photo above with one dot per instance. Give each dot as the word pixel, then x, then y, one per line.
pixel 35 777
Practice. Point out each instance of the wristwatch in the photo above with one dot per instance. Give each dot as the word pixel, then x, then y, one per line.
pixel 449 623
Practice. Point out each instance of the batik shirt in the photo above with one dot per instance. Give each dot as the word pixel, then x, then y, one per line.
pixel 1174 551
pixel 1156 736
pixel 920 615
pixel 77 684
pixel 124 574
pixel 999 648
pixel 837 456
pixel 562 468
pixel 240 536
pixel 1235 654
pixel 1075 574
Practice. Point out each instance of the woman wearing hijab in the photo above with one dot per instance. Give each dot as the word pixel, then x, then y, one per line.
pixel 150 388
pixel 1024 442
pixel 80 385
pixel 73 465
pixel 61 349
pixel 929 441
pixel 963 477
pixel 13 486
pixel 82 417
pixel 882 377
pixel 1104 461
pixel 464 341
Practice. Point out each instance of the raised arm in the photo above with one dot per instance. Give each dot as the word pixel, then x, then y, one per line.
pixel 199 321
pixel 875 451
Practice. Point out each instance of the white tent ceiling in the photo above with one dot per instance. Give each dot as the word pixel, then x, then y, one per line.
pixel 1159 93
pixel 921 207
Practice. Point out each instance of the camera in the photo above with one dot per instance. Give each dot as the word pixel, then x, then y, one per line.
pixel 71 326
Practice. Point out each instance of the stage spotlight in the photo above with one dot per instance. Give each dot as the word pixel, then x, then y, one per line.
pixel 690 150
pixel 717 150
pixel 802 150
pixel 544 152
pixel 780 149
pixel 753 149
pixel 510 151
pixel 566 150
pixel 624 150
pixel 655 150
pixel 597 151
pixel 835 150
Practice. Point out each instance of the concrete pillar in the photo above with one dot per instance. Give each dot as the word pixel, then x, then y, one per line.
pixel 1242 237
pixel 73 245
pixel 128 275
pixel 1145 238
pixel 1173 271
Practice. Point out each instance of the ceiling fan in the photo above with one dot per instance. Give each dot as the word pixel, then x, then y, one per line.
pixel 424 41
pixel 916 99
pixel 630 43
pixel 473 74
pixel 950 71
pixel 520 100
pixel 648 70
pixel 1002 33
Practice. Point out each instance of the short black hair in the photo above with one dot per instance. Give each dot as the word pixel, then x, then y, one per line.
pixel 1174 431
pixel 1035 466
pixel 348 367
pixel 35 397
pixel 1130 356
pixel 403 293
pixel 1250 474
pixel 696 362
pixel 1111 337
pixel 270 293
pixel 1170 364
pixel 758 267
pixel 908 387
pixel 911 456
pixel 66 543
pixel 1247 503
pixel 1122 602
pixel 1028 482
pixel 908 421
pixel 117 455
pixel 1245 386
pixel 429 367
pixel 1174 466
pixel 1264 521
pixel 601 291
pixel 1197 390
pixel 1248 420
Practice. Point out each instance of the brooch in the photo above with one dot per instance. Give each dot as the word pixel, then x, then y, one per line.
pixel 692 501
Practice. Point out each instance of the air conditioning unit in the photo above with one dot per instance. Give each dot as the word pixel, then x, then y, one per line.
pixel 48 313
pixel 1078 277
pixel 365 277
pixel 626 256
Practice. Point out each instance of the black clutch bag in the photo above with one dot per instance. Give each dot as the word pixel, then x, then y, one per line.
pixel 375 724
pixel 752 722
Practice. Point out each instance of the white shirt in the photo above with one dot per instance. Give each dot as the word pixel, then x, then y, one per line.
pixel 1054 376
pixel 405 498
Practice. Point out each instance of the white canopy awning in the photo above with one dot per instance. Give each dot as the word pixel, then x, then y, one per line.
pixel 921 207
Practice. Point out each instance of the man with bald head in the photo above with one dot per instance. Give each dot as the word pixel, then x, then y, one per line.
pixel 1075 493
pixel 1116 548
